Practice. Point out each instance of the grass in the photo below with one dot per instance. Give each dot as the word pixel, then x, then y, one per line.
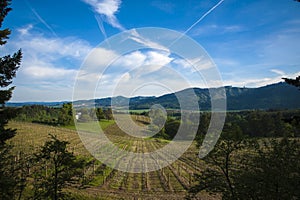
pixel 91 126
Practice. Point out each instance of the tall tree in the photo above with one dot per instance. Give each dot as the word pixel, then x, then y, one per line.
pixel 222 165
pixel 100 114
pixel 108 114
pixel 66 115
pixel 295 82
pixel 58 167
pixel 8 67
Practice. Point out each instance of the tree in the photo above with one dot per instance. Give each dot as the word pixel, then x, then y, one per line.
pixel 240 168
pixel 274 173
pixel 295 82
pixel 108 114
pixel 8 67
pixel 66 115
pixel 100 114
pixel 222 165
pixel 58 167
pixel 171 127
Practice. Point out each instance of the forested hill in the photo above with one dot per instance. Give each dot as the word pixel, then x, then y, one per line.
pixel 275 96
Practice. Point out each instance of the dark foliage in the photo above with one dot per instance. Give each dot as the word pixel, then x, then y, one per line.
pixel 57 168
pixel 295 82
pixel 8 67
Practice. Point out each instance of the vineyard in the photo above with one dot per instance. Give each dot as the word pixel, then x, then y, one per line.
pixel 103 182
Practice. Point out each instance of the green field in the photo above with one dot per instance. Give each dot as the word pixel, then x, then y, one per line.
pixel 91 126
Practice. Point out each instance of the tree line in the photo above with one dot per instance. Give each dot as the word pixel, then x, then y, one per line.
pixel 63 116
pixel 257 123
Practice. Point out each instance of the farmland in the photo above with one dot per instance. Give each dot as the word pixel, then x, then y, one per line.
pixel 169 182
pixel 243 137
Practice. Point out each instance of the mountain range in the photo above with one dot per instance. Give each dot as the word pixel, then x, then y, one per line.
pixel 275 96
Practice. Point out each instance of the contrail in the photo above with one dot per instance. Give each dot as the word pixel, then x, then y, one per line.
pixel 101 27
pixel 199 20
pixel 44 22
pixel 41 19
pixel 203 16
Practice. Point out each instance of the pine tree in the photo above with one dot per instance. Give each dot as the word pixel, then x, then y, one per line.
pixel 295 82
pixel 9 64
pixel 8 67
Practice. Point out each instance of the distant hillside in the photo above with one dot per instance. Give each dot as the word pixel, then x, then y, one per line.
pixel 50 104
pixel 275 96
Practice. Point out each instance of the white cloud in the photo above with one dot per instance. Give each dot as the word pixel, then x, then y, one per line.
pixel 279 72
pixel 49 65
pixel 125 77
pixel 34 45
pixel 99 70
pixel 44 58
pixel 141 63
pixel 132 60
pixel 135 36
pixel 158 58
pixel 259 82
pixel 25 30
pixel 226 62
pixel 195 64
pixel 108 9
pixel 99 59
pixel 47 72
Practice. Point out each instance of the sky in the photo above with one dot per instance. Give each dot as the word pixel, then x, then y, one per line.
pixel 77 45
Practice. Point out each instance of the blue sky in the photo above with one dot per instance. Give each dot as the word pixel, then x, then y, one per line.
pixel 253 43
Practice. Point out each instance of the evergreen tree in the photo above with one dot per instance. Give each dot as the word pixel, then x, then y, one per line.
pixel 8 67
pixel 295 82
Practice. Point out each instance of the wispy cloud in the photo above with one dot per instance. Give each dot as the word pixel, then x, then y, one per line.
pixel 135 36
pixel 277 71
pixel 259 82
pixel 215 29
pixel 195 65
pixel 107 9
pixel 100 25
pixel 48 72
pixel 25 30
